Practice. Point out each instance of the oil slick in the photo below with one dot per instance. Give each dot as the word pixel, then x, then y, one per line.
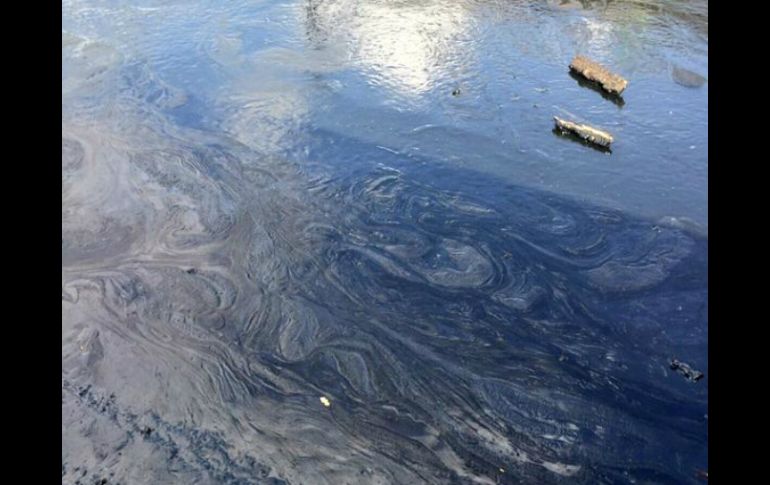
pixel 270 209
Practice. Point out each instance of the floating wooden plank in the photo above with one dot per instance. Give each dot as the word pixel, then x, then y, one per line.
pixel 588 133
pixel 616 99
pixel 593 71
pixel 688 372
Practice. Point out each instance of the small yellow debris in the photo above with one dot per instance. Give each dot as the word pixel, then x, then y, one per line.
pixel 588 133
pixel 325 401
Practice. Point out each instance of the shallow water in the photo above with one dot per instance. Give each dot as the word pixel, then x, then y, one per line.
pixel 268 202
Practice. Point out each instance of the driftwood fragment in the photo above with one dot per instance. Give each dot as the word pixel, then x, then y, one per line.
pixel 588 133
pixel 688 372
pixel 616 99
pixel 594 71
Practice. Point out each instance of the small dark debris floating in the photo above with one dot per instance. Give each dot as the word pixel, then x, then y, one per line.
pixel 687 78
pixel 688 372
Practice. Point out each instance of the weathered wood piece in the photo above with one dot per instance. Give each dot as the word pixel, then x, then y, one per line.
pixel 688 372
pixel 588 133
pixel 593 71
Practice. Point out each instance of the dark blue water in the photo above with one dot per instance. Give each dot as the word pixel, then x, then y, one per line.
pixel 267 203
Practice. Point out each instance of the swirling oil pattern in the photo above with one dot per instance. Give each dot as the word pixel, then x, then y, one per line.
pixel 336 242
